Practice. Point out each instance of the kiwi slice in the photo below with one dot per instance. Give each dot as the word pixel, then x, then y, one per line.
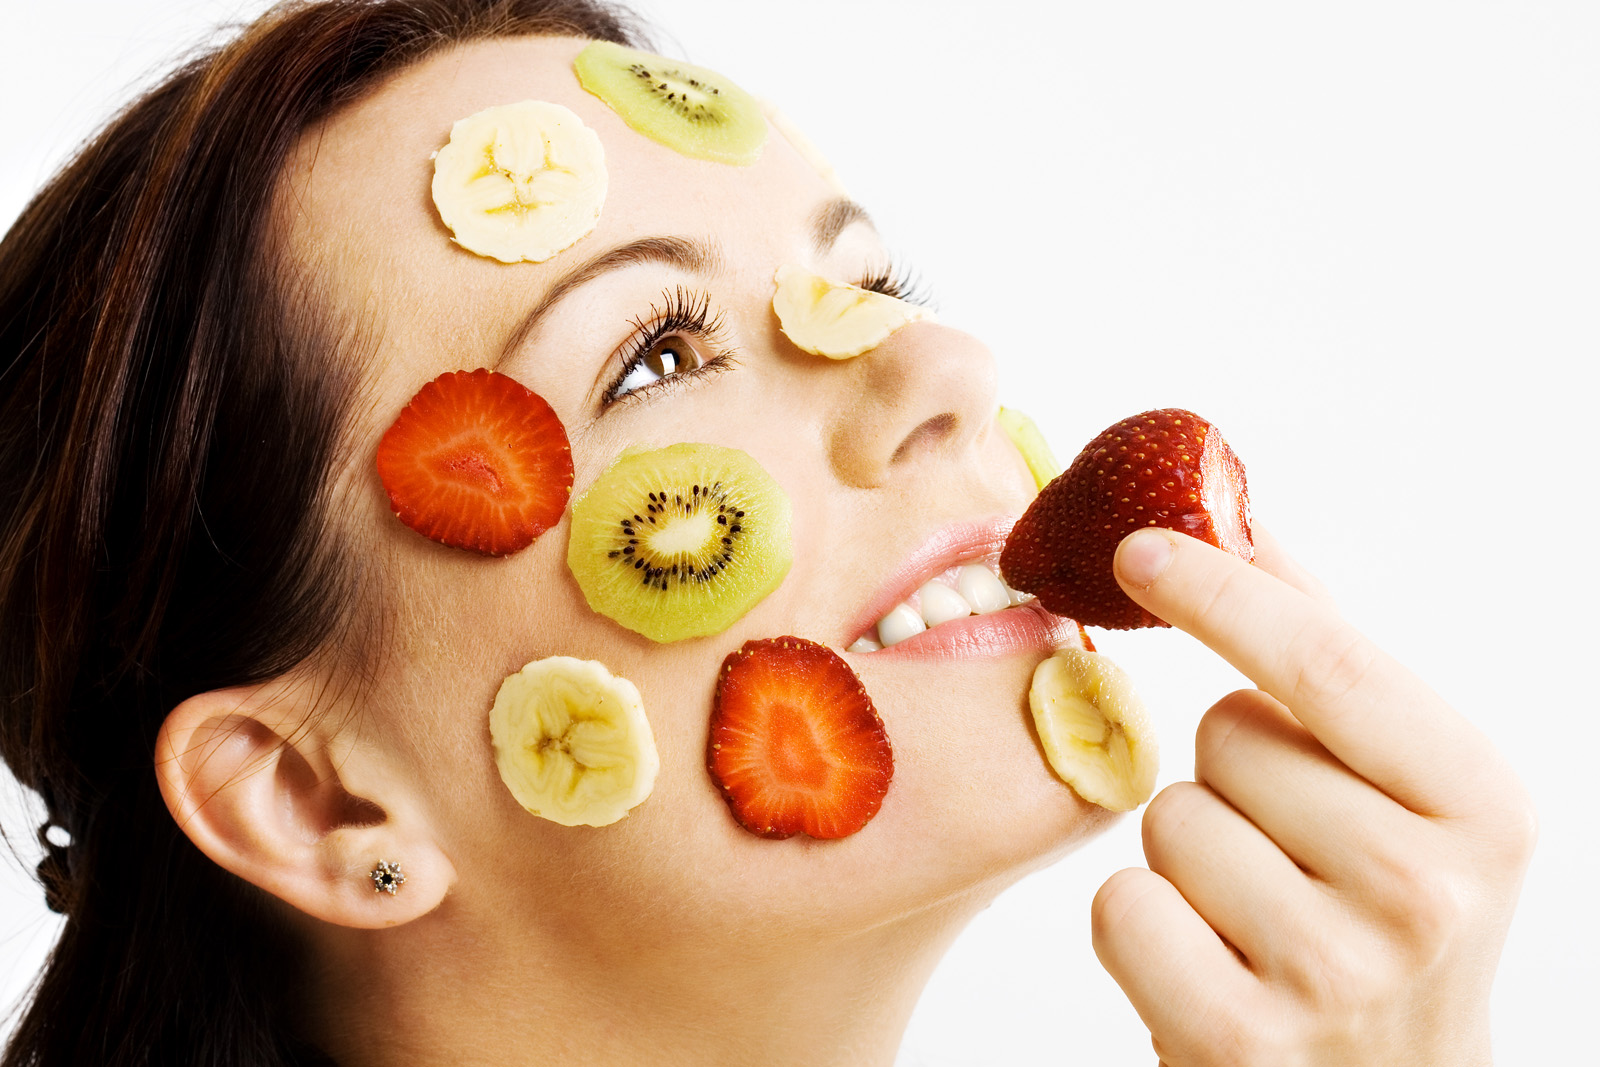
pixel 692 110
pixel 681 541
pixel 1031 443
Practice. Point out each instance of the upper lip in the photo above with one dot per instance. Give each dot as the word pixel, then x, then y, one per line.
pixel 943 549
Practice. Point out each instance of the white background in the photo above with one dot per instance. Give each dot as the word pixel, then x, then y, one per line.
pixel 1363 238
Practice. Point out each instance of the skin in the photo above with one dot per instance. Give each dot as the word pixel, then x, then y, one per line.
pixel 674 936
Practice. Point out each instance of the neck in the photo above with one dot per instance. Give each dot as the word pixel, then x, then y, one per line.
pixel 435 992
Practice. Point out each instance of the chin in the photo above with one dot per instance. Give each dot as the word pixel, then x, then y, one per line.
pixel 1037 826
pixel 974 806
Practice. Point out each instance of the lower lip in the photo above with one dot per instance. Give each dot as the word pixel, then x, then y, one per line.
pixel 1025 628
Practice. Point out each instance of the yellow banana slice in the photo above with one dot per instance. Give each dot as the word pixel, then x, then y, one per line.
pixel 802 144
pixel 834 319
pixel 520 181
pixel 572 742
pixel 1094 729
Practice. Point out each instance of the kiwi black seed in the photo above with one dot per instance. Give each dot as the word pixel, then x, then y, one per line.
pixel 692 110
pixel 700 564
pixel 680 542
pixel 688 96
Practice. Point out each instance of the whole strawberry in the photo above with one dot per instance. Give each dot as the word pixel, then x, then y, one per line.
pixel 1167 468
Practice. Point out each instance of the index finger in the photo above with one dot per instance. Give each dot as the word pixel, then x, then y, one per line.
pixel 1375 716
pixel 1271 558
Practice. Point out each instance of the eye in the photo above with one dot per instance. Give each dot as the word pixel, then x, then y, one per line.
pixel 900 282
pixel 678 343
pixel 664 358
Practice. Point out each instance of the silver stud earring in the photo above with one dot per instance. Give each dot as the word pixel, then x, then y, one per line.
pixel 387 877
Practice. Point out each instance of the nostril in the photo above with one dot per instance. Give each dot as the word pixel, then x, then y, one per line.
pixel 930 432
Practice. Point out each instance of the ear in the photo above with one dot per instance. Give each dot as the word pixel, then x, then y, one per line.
pixel 271 792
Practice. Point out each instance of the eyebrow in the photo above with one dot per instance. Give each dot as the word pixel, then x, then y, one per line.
pixel 831 220
pixel 686 253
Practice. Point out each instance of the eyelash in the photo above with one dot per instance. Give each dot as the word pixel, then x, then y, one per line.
pixel 685 313
pixel 899 281
pixel 689 313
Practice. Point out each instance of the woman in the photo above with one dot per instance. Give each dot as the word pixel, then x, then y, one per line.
pixel 239 683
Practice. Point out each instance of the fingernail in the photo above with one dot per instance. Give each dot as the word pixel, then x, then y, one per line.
pixel 1142 556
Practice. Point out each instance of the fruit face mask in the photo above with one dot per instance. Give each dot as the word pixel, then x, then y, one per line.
pixel 693 111
pixel 520 181
pixel 680 542
pixel 478 461
pixel 796 746
pixel 1094 729
pixel 802 145
pixel 835 319
pixel 572 742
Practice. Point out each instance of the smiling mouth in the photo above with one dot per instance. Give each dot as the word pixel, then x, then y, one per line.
pixel 971 587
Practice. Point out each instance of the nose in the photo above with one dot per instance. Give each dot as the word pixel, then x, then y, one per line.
pixel 925 394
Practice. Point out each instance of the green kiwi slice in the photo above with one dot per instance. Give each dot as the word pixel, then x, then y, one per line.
pixel 1031 443
pixel 692 110
pixel 681 541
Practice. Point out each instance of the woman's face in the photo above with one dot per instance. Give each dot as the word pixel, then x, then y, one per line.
pixel 881 456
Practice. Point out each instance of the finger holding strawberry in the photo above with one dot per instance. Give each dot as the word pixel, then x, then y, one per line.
pixel 1335 885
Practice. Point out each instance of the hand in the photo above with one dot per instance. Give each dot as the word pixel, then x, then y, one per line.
pixel 1335 885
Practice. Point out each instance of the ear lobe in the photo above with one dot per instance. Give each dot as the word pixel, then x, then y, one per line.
pixel 253 779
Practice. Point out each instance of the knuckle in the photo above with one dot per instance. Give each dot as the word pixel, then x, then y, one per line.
pixel 1228 724
pixel 1413 917
pixel 1240 1042
pixel 1114 902
pixel 1335 978
pixel 1218 724
pixel 1229 1036
pixel 1264 1042
pixel 1169 812
pixel 1335 664
pixel 1512 835
pixel 1222 599
pixel 1524 830
pixel 1430 908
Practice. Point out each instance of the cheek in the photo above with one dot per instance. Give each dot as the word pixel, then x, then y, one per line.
pixel 463 623
pixel 973 798
pixel 972 801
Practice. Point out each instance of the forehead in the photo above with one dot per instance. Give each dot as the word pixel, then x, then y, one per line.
pixel 357 204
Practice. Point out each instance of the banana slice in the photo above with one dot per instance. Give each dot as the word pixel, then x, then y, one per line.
pixel 572 742
pixel 520 181
pixel 802 144
pixel 834 319
pixel 1095 732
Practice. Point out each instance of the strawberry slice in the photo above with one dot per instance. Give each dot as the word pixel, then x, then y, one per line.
pixel 477 461
pixel 1167 468
pixel 796 746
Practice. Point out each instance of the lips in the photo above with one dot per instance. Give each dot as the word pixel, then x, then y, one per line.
pixel 946 599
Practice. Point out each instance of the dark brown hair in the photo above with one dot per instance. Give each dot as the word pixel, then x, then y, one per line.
pixel 172 406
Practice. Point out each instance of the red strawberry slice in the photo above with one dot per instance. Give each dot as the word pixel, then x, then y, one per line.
pixel 477 461
pixel 1168 468
pixel 796 746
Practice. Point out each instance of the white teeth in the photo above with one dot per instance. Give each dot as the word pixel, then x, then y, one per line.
pixel 940 604
pixel 978 591
pixel 980 588
pixel 899 624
